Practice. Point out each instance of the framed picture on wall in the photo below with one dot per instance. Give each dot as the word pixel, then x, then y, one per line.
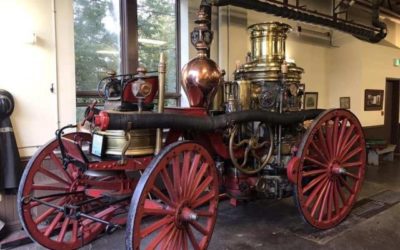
pixel 310 100
pixel 373 99
pixel 344 102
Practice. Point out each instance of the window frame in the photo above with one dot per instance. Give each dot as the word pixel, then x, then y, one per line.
pixel 129 49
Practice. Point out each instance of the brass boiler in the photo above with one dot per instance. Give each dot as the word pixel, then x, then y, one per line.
pixel 136 142
pixel 262 71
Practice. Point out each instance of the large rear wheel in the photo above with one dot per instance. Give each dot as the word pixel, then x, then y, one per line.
pixel 51 199
pixel 174 205
pixel 332 165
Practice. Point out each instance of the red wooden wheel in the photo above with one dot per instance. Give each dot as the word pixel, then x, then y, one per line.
pixel 45 179
pixel 332 166
pixel 174 205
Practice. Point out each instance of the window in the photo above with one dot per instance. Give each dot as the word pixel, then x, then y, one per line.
pixel 99 42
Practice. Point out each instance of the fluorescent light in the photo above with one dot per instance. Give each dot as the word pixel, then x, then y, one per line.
pixel 151 41
pixel 107 52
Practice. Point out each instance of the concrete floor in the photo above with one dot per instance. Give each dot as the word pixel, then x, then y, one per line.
pixel 272 224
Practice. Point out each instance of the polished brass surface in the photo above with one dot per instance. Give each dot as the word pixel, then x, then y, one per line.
pixel 161 94
pixel 244 94
pixel 268 52
pixel 263 67
pixel 268 41
pixel 201 75
pixel 141 142
pixel 258 145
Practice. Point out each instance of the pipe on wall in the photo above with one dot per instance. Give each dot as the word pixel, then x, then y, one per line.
pixel 370 34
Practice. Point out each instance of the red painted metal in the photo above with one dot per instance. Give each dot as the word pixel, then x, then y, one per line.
pixel 332 165
pixel 46 177
pixel 292 168
pixel 127 95
pixel 183 185
pixel 102 120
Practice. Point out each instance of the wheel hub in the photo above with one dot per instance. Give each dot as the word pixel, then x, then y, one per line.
pixel 335 169
pixel 184 214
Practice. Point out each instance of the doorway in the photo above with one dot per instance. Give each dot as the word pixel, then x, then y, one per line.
pixel 391 125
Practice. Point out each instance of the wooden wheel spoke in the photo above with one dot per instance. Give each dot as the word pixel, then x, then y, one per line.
pixel 176 170
pixel 314 182
pixel 315 161
pixel 313 172
pixel 335 197
pixel 57 162
pixel 54 176
pixel 315 192
pixel 64 228
pixel 341 195
pixel 168 184
pixel 192 174
pixel 352 164
pixel 185 168
pixel 352 175
pixel 192 239
pixel 160 236
pixel 329 137
pixel 335 135
pixel 319 200
pixel 157 192
pixel 344 182
pixel 53 224
pixel 201 188
pixel 353 153
pixel 324 207
pixel 152 207
pixel 166 220
pixel 346 138
pixel 199 227
pixel 322 142
pixel 74 234
pixel 204 213
pixel 199 176
pixel 169 242
pixel 318 150
pixel 349 145
pixel 330 201
pixel 341 135
pixel 185 243
pixel 48 212
pixel 200 201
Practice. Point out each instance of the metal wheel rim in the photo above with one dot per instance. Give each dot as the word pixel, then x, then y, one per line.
pixel 328 186
pixel 181 234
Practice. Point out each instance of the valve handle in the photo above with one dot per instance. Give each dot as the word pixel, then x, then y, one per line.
pixel 90 112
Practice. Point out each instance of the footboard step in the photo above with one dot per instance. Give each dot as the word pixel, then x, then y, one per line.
pixel 363 210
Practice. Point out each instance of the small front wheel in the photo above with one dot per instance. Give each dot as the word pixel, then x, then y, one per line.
pixel 174 205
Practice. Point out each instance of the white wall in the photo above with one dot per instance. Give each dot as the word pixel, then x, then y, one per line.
pixel 28 70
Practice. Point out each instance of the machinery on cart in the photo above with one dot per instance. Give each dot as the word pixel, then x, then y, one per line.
pixel 161 172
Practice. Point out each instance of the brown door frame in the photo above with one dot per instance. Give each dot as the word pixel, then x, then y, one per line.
pixel 392 106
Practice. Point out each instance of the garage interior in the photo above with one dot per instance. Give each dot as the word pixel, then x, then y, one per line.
pixel 341 57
